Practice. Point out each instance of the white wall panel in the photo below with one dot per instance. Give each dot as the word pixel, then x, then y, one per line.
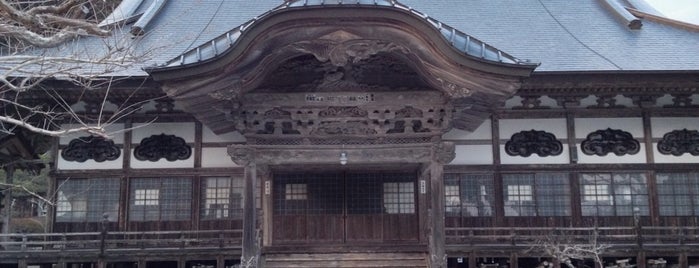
pixel 662 125
pixel 663 158
pixel 483 132
pixel 473 155
pixel 163 163
pixel 585 126
pixel 611 158
pixel 116 130
pixel 563 158
pixel 182 130
pixel 210 136
pixel 557 126
pixel 216 157
pixel 62 164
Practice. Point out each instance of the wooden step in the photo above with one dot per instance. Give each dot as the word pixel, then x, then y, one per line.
pixel 364 260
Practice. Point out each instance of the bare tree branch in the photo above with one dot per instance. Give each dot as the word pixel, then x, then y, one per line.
pixel 564 246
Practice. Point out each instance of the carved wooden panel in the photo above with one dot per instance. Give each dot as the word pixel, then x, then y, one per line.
pixel 91 147
pixel 526 143
pixel 316 118
pixel 679 142
pixel 603 142
pixel 155 147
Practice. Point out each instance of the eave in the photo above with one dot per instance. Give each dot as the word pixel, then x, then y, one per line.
pixel 213 76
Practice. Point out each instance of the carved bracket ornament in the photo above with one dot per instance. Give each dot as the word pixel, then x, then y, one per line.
pixel 91 147
pixel 170 147
pixel 679 142
pixel 526 143
pixel 603 142
pixel 343 53
pixel 444 152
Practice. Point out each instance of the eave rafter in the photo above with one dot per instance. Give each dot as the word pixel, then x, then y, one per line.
pixel 211 88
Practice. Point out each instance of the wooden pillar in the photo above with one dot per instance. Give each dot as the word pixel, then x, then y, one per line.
pixel 9 172
pixel 437 238
pixel 101 263
pixel 61 264
pixel 514 260
pixel 641 259
pixel 142 263
pixel 22 263
pixel 472 259
pixel 443 153
pixel 181 263
pixel 246 157
pixel 264 176
pixel 220 261
pixel 682 259
pixel 250 251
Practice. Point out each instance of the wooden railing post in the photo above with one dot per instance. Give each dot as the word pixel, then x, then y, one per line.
pixel 637 223
pixel 24 242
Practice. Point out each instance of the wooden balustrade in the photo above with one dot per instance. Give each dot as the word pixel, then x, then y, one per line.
pixel 649 237
pixel 120 242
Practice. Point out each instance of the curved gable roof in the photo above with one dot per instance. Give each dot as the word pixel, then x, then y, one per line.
pixel 460 41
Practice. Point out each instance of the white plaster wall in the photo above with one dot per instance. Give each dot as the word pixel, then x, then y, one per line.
pixel 563 158
pixel 210 136
pixel 515 101
pixel 662 158
pixel 590 100
pixel 624 101
pixel 547 101
pixel 556 126
pixel 666 99
pixel 611 158
pixel 633 125
pixel 662 125
pixel 62 164
pixel 473 155
pixel 216 157
pixel 116 131
pixel 182 130
pixel 163 163
pixel 483 132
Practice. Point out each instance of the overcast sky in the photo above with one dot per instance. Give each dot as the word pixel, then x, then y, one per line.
pixel 685 10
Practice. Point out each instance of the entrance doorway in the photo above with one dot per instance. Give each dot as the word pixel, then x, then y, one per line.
pixel 345 207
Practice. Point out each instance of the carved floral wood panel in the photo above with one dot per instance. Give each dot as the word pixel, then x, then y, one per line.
pixel 605 141
pixel 91 147
pixel 156 147
pixel 526 143
pixel 679 142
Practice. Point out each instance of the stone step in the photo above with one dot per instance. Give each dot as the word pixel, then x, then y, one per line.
pixel 365 260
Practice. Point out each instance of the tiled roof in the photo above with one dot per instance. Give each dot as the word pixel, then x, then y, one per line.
pixel 464 43
pixel 562 35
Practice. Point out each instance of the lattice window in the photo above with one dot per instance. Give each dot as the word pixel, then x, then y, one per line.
pixel 519 200
pixel 160 199
pixel 146 197
pixel 468 195
pixel 540 194
pixel 598 192
pixel 308 194
pixel 87 200
pixel 399 197
pixel 552 194
pixel 222 198
pixel 296 191
pixel 519 193
pixel 678 194
pixel 614 194
pixel 365 192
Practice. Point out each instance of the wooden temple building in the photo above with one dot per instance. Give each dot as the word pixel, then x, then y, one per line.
pixel 376 133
